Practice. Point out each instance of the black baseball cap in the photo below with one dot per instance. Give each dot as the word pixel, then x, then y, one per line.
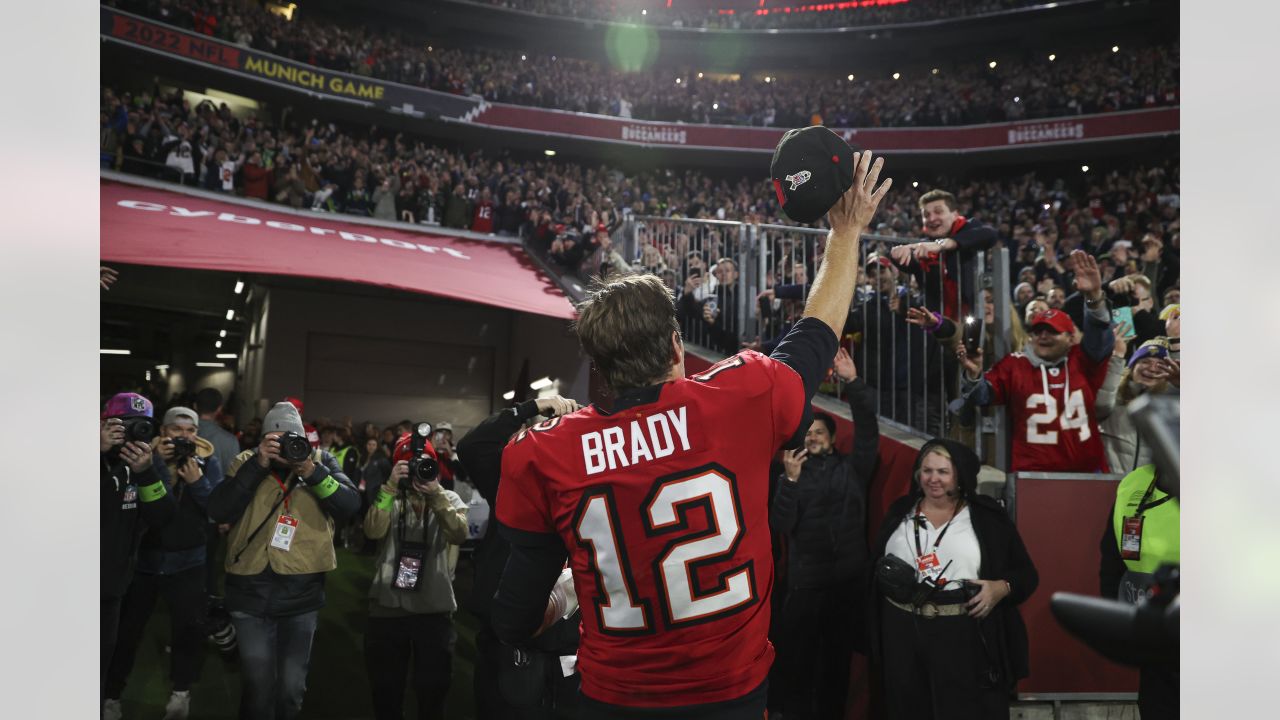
pixel 812 167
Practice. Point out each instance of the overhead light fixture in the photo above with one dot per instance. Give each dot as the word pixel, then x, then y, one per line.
pixel 105 351
pixel 850 77
pixel 217 343
pixel 210 364
pixel 430 49
pixel 549 153
pixel 768 79
pixel 222 333
pixel 935 71
pixel 1052 57
pixel 677 81
pixel 1017 99
pixel 992 64
pixel 523 58
pixel 915 183
pixel 540 383
pixel 509 395
pixel 897 75
pixel 644 12
pixel 231 314
pixel 239 286
pixel 226 356
pixel 1115 48
pixel 162 368
pixel 715 106
pixel 1084 168
pixel 148 376
pixel 699 76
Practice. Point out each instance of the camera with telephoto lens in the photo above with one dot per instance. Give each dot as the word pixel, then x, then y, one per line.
pixel 422 468
pixel 138 429
pixel 294 447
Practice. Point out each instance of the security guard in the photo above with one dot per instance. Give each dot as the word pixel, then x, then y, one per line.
pixel 1143 535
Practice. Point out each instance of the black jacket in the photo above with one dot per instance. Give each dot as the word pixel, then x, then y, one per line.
pixel 1004 557
pixel 960 265
pixel 480 452
pixel 823 514
pixel 123 518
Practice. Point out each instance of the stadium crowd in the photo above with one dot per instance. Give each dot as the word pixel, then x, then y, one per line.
pixel 1097 81
pixel 773 15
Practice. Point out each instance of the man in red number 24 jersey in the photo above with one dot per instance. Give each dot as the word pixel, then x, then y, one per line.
pixel 661 505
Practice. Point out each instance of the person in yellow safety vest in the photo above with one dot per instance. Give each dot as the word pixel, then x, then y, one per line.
pixel 1142 536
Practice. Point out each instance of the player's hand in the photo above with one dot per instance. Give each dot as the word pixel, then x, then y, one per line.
pixel 111 432
pixel 793 461
pixel 844 367
pixel 972 363
pixel 555 406
pixel 853 211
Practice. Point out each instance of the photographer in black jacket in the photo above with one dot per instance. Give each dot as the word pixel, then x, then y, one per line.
pixel 481 454
pixel 821 509
pixel 132 497
pixel 171 562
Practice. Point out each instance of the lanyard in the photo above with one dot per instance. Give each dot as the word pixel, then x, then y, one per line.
pixel 284 488
pixel 938 540
pixel 1145 503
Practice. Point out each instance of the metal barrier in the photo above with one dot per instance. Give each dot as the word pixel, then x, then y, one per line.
pixel 914 375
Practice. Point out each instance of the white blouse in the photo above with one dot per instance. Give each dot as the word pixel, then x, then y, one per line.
pixel 959 546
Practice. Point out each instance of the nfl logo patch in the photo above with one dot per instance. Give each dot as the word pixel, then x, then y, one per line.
pixel 139 404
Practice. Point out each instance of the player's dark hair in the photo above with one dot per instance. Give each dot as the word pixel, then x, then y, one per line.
pixel 625 325
pixel 942 195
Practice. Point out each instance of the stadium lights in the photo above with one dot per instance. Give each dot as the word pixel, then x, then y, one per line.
pixel 897 75
pixel 1052 57
pixel 162 368
pixel 430 49
pixel 992 64
pixel 212 364
pixel 1017 98
pixel 549 153
pixel 768 79
pixel 644 12
pixel 915 183
pixel 226 356
pixel 222 333
pixel 239 286
pixel 509 395
pixel 523 58
pixel 699 76
pixel 217 343
pixel 1084 168
pixel 1115 48
pixel 542 382
pixel 850 77
pixel 105 351
pixel 677 81
pixel 935 71
pixel 231 314
pixel 715 106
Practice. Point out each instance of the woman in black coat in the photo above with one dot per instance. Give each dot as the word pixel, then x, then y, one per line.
pixel 956 651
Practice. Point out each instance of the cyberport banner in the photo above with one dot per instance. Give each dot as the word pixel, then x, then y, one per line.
pixel 129 29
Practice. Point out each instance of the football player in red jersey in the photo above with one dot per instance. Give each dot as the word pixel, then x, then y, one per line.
pixel 660 504
pixel 1051 386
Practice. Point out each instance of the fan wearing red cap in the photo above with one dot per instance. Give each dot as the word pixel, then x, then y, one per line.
pixel 1051 387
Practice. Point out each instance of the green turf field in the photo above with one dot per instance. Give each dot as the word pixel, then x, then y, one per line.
pixel 336 686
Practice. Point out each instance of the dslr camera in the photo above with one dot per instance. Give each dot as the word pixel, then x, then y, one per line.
pixel 184 448
pixel 294 448
pixel 422 468
pixel 138 429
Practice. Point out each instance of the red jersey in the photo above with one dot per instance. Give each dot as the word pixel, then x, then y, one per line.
pixel 664 508
pixel 482 220
pixel 1053 425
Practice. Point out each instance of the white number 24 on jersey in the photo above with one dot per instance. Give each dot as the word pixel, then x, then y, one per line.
pixel 1074 417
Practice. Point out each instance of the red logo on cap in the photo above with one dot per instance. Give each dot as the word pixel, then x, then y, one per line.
pixel 777 188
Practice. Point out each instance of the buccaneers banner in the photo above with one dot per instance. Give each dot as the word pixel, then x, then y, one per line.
pixel 1079 129
pixel 132 30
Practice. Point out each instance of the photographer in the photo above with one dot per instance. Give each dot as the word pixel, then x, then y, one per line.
pixel 282 501
pixel 130 492
pixel 481 453
pixel 171 562
pixel 411 600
